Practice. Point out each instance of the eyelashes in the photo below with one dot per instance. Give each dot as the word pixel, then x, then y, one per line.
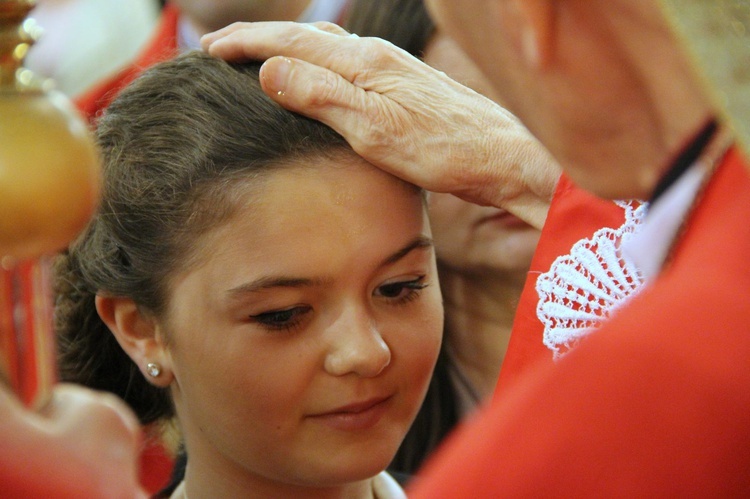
pixel 402 291
pixel 288 319
pixel 281 320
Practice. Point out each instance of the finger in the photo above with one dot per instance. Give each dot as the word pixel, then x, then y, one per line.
pixel 375 126
pixel 261 41
pixel 324 26
pixel 97 437
pixel 332 28
pixel 317 93
pixel 106 437
pixel 10 404
pixel 209 38
pixel 69 401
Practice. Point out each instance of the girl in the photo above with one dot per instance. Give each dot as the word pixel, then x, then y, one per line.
pixel 248 273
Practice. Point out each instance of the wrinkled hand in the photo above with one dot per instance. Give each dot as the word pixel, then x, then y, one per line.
pixel 84 444
pixel 398 113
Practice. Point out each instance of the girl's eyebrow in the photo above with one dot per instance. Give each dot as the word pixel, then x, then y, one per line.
pixel 419 242
pixel 280 281
pixel 270 281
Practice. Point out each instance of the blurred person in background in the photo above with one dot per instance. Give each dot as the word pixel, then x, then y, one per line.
pixel 183 22
pixel 85 41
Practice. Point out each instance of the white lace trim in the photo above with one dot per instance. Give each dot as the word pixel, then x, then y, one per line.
pixel 581 289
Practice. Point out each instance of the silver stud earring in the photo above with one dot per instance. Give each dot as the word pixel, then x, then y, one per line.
pixel 153 369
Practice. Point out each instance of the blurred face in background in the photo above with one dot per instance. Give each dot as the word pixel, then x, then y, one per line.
pixel 469 237
pixel 210 15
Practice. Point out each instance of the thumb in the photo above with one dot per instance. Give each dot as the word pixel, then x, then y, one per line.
pixel 317 93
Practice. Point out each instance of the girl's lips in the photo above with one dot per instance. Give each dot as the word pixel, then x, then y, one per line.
pixel 356 416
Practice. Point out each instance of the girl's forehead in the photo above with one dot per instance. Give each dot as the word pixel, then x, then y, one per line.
pixel 307 197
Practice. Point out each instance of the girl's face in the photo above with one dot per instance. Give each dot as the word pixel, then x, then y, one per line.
pixel 303 341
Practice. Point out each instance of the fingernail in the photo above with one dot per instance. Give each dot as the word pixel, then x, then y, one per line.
pixel 275 74
pixel 208 41
pixel 205 41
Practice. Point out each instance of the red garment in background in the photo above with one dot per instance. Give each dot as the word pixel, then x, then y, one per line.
pixel 161 47
pixel 656 403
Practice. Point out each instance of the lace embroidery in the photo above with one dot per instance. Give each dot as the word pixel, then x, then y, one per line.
pixel 581 289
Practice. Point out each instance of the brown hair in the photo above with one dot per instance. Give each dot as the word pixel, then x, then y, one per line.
pixel 173 143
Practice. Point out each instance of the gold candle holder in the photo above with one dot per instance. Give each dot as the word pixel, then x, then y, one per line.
pixel 49 186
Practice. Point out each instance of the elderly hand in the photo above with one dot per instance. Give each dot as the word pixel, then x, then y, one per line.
pixel 84 444
pixel 398 113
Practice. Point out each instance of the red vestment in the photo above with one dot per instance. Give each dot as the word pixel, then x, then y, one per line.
pixel 656 403
pixel 590 214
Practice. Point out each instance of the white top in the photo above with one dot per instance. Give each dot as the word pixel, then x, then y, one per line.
pixel 384 486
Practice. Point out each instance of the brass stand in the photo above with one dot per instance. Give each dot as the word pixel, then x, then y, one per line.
pixel 49 186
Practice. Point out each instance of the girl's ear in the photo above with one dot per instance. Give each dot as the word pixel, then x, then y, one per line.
pixel 139 337
pixel 537 31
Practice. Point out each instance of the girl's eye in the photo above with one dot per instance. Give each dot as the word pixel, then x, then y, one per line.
pixel 402 291
pixel 281 320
